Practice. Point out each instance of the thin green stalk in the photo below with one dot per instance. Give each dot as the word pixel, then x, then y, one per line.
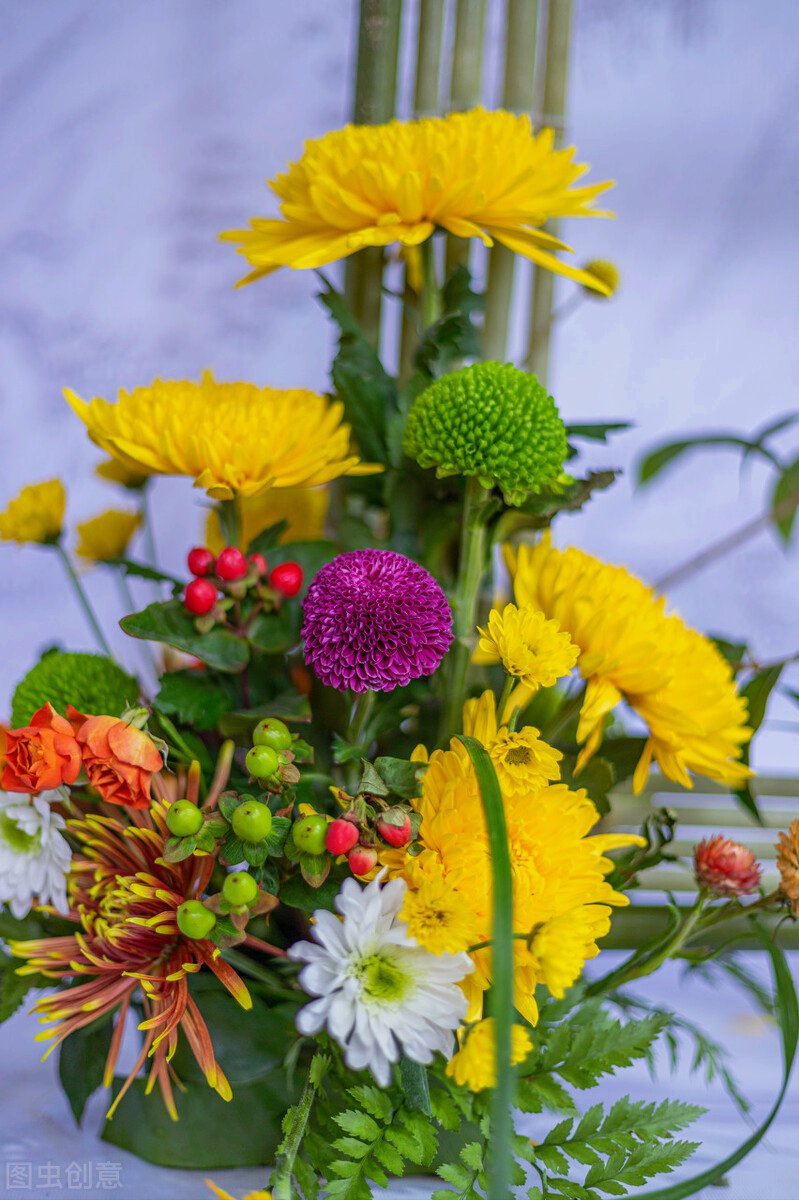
pixel 471 568
pixel 374 103
pixel 505 697
pixel 229 522
pixel 500 996
pixel 517 96
pixel 563 716
pixel 554 110
pixel 284 1166
pixel 361 712
pixel 430 299
pixel 635 969
pixel 149 535
pixel 464 92
pixel 83 600
pixel 130 604
pixel 428 58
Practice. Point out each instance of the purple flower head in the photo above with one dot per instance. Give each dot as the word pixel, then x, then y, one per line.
pixel 374 619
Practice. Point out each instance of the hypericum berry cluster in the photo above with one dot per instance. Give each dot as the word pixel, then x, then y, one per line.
pixel 234 575
pixel 367 823
pixel 270 760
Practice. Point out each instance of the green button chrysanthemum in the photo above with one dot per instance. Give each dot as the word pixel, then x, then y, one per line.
pixel 493 421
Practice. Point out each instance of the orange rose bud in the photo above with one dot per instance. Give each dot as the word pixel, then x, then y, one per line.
pixel 725 867
pixel 118 758
pixel 42 755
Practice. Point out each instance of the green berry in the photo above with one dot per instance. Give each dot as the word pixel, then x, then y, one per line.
pixel 310 833
pixel 239 888
pixel 272 732
pixel 262 761
pixel 252 821
pixel 183 818
pixel 195 920
pixel 493 421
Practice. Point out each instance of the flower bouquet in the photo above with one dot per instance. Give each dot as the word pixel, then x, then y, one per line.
pixel 340 846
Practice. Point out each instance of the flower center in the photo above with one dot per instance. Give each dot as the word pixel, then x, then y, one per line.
pixel 16 838
pixel 519 756
pixel 382 980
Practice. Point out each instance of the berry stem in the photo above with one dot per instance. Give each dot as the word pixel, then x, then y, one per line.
pixel 464 604
pixel 83 600
pixel 221 775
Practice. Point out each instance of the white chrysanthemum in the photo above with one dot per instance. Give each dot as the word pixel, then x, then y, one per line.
pixel 380 993
pixel 34 857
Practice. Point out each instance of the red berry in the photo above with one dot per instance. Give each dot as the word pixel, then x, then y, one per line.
pixel 391 832
pixel 231 564
pixel 258 560
pixel 199 597
pixel 287 578
pixel 200 560
pixel 341 836
pixel 362 860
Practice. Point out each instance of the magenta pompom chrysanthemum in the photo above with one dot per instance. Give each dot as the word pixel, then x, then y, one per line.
pixel 374 619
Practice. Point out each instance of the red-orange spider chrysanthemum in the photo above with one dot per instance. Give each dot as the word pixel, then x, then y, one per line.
pixel 125 896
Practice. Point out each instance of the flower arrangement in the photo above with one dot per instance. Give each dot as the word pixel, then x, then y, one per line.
pixel 340 848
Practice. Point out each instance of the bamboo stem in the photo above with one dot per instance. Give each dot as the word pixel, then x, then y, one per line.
pixel 374 103
pixel 428 58
pixel 517 96
pixel 554 110
pixel 464 92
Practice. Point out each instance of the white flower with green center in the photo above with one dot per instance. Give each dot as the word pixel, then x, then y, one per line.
pixel 380 993
pixel 34 857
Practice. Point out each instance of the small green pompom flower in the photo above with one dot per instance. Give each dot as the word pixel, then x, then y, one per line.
pixel 493 421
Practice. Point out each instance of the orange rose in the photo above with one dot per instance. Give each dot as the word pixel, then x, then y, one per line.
pixel 41 756
pixel 118 758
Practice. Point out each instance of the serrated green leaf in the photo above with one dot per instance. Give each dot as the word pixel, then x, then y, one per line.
pixel 170 623
pixel 472 1156
pixel 352 1146
pixel 306 1177
pixel 358 1123
pixel 445 1110
pixel 90 682
pixel 388 1157
pixel 194 697
pixel 456 1174
pixel 371 1099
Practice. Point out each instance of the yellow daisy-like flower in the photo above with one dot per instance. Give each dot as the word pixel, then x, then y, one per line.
pixel 557 869
pixel 230 438
pixel 107 536
pixel 674 678
pixel 114 471
pixel 476 174
pixel 36 515
pixel 788 863
pixel 435 913
pixel 521 759
pixel 565 943
pixel 475 1064
pixel 305 510
pixel 529 647
pixel 261 1194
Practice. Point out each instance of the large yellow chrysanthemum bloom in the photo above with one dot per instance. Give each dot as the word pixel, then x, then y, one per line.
pixel 230 438
pixel 529 647
pixel 36 515
pixel 305 510
pixel 476 174
pixel 475 1064
pixel 558 878
pixel 671 675
pixel 107 536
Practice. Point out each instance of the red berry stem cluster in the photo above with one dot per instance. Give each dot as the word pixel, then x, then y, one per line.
pixel 362 830
pixel 235 576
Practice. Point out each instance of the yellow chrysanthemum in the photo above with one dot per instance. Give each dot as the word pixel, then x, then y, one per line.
pixel 305 510
pixel 475 1064
pixel 521 759
pixel 436 914
pixel 261 1194
pixel 557 869
pixel 114 471
pixel 529 647
pixel 106 536
pixel 788 863
pixel 476 174
pixel 564 944
pixel 671 675
pixel 36 515
pixel 230 438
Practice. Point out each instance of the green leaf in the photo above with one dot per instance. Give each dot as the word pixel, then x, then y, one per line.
pixel 90 682
pixel 372 1100
pixel 272 632
pixel 81 1063
pixel 268 538
pixel 169 622
pixel 372 783
pixel 597 777
pixel 595 432
pixel 785 499
pixel 539 510
pixel 14 988
pixel 400 776
pixel 140 571
pixel 358 1123
pixel 298 894
pixel 756 692
pixel 194 697
pixel 669 452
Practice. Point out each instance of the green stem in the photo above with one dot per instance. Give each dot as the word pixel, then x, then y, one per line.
pixel 428 58
pixel 505 697
pixel 430 299
pixel 554 110
pixel 83 600
pixel 471 568
pixel 130 604
pixel 500 996
pixel 467 69
pixel 635 969
pixel 520 46
pixel 563 716
pixel 413 1076
pixel 284 1166
pixel 229 523
pixel 361 712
